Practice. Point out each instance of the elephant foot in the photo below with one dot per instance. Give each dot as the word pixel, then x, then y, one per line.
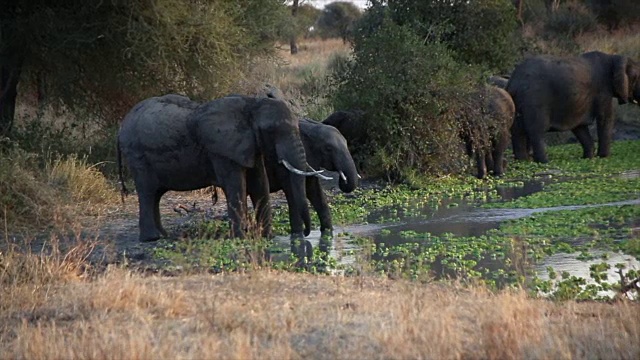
pixel 326 234
pixel 325 244
pixel 149 238
pixel 151 234
pixel 303 251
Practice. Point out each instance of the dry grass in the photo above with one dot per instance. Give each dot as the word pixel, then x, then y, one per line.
pixel 268 314
pixel 83 182
pixel 34 198
pixel 297 76
pixel 625 41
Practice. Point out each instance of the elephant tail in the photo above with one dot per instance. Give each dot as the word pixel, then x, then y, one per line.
pixel 123 189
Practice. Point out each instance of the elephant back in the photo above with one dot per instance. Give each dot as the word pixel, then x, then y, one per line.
pixel 165 115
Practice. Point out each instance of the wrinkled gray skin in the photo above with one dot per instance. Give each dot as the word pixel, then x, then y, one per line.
pixel 173 143
pixel 498 107
pixel 326 149
pixel 561 94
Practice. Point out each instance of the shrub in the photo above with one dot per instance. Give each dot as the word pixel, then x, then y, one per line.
pixel 478 32
pixel 407 89
pixel 569 20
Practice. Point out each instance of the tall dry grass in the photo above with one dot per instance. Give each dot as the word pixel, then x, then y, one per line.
pixel 273 315
pixel 35 196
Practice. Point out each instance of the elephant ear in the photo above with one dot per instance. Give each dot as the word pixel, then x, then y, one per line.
pixel 620 79
pixel 222 128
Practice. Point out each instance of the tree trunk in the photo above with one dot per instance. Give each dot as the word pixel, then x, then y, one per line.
pixel 294 14
pixel 10 67
pixel 518 4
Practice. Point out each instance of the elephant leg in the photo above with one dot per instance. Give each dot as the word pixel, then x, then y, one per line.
pixel 298 228
pixel 498 147
pixel 258 189
pixel 584 137
pixel 534 128
pixel 480 164
pixel 156 212
pixel 233 180
pixel 519 140
pixel 318 200
pixel 604 122
pixel 538 147
pixel 147 189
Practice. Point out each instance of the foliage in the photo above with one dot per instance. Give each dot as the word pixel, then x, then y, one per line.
pixel 305 19
pixel 570 19
pixel 615 13
pixel 409 113
pixel 107 55
pixel 337 19
pixel 478 32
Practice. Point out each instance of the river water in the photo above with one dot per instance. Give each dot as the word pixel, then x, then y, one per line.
pixel 463 218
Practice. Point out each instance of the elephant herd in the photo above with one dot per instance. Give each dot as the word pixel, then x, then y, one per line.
pixel 254 145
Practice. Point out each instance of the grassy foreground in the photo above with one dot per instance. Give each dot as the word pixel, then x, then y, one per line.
pixel 282 315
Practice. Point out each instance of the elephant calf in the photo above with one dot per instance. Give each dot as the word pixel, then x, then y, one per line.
pixel 487 137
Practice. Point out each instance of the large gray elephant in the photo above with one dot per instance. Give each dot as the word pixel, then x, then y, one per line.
pixel 173 143
pixel 487 136
pixel 560 94
pixel 326 149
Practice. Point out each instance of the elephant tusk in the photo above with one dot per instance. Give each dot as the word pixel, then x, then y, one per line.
pixel 319 175
pixel 298 171
pixel 324 177
pixel 359 177
pixel 343 176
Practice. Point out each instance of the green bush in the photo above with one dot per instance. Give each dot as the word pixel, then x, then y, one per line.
pixel 407 89
pixel 478 32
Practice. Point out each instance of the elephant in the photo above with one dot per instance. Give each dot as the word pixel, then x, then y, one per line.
pixel 352 125
pixel 326 149
pixel 487 136
pixel 173 143
pixel 566 93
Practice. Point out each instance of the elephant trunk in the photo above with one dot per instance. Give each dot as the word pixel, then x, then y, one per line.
pixel 290 151
pixel 348 179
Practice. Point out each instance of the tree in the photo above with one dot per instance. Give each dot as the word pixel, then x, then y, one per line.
pixel 337 18
pixel 104 56
pixel 294 13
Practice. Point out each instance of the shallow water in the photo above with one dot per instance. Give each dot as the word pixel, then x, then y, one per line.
pixel 463 218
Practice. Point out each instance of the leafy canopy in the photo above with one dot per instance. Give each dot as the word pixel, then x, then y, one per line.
pixel 106 55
